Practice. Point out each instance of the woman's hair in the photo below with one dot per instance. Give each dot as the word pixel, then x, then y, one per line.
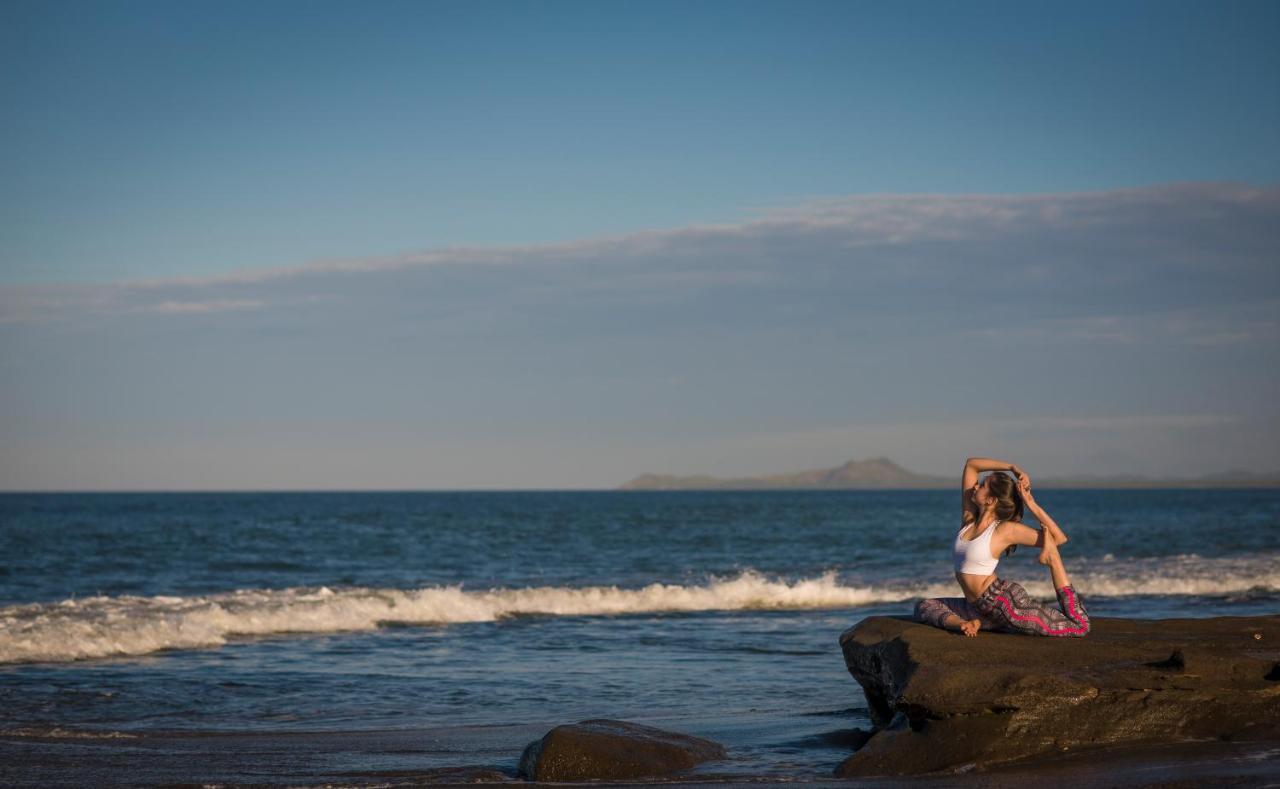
pixel 1004 489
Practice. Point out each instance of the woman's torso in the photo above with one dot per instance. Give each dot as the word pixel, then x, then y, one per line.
pixel 974 585
pixel 975 542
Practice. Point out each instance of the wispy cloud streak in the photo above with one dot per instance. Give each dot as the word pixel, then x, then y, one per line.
pixel 1077 244
pixel 1121 330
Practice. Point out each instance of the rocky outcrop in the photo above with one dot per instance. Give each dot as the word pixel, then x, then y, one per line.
pixel 613 750
pixel 941 701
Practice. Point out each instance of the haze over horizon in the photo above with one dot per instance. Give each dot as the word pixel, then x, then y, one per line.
pixel 498 245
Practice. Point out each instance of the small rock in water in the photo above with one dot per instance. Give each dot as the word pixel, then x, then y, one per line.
pixel 601 749
pixel 461 775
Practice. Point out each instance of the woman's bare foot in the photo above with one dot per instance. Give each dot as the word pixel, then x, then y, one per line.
pixel 971 627
pixel 1049 551
pixel 1049 556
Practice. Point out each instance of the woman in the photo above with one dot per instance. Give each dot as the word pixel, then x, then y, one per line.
pixel 990 527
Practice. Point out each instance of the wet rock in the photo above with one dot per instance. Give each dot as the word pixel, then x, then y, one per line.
pixel 943 702
pixel 613 750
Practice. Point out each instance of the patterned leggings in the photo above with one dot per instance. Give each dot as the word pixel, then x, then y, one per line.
pixel 1005 606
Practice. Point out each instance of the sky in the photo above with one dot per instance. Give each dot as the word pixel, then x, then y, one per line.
pixel 455 245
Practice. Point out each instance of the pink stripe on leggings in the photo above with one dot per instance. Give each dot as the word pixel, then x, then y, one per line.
pixel 1071 605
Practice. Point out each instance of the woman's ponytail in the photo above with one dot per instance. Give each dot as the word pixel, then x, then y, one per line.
pixel 1009 505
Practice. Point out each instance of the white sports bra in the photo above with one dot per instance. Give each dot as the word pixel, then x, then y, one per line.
pixel 973 557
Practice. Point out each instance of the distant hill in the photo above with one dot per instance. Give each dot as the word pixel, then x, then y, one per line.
pixel 883 473
pixel 873 473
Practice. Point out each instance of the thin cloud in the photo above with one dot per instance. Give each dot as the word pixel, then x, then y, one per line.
pixel 1242 323
pixel 202 307
pixel 1073 242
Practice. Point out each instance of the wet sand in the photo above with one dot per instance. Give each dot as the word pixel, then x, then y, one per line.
pixel 488 754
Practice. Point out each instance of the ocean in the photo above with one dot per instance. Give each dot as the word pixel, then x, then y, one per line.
pixel 317 636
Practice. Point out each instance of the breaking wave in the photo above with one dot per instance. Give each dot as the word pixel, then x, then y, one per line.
pixel 96 627
pixel 59 733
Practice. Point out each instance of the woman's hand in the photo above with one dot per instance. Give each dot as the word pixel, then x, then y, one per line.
pixel 1024 484
pixel 1025 489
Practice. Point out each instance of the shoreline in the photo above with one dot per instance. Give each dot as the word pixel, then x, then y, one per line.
pixel 488 756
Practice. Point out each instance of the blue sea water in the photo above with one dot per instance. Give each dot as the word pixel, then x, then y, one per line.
pixel 483 618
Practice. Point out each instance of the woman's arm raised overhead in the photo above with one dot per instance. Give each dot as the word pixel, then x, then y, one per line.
pixel 972 468
pixel 968 510
pixel 990 464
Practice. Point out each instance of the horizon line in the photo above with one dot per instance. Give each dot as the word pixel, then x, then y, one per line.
pixel 1268 484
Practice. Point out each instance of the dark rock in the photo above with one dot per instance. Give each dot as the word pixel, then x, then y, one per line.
pixel 613 750
pixel 466 775
pixel 944 702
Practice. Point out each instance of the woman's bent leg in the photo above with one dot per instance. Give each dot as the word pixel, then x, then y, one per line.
pixel 1018 611
pixel 936 610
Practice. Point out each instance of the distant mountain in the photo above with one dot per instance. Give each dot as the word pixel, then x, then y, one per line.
pixel 873 473
pixel 883 473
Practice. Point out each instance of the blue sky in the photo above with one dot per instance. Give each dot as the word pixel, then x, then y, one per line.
pixel 150 139
pixel 297 245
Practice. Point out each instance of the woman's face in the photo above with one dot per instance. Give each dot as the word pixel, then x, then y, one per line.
pixel 980 495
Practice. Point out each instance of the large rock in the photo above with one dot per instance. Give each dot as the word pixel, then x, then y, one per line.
pixel 613 750
pixel 942 701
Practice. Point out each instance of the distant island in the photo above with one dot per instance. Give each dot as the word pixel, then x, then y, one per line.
pixel 882 473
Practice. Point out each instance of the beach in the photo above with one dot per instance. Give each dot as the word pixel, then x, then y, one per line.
pixel 377 759
pixel 365 638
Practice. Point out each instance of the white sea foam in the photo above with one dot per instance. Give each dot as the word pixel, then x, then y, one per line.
pixel 59 733
pixel 1185 575
pixel 103 626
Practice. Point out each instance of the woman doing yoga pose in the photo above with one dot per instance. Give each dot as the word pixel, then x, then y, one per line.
pixel 990 526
